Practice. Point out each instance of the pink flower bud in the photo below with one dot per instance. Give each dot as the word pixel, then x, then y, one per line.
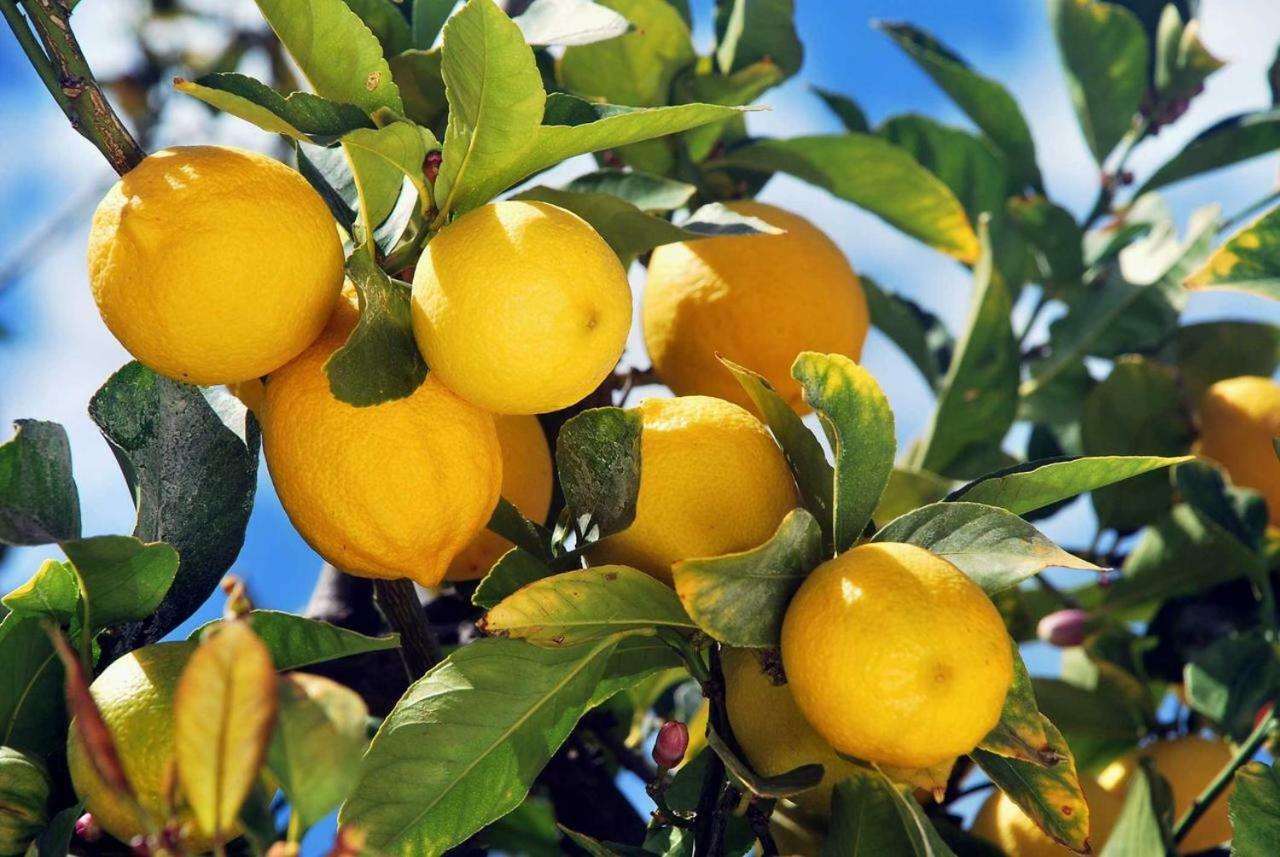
pixel 673 740
pixel 87 829
pixel 1064 628
pixel 139 846
pixel 431 166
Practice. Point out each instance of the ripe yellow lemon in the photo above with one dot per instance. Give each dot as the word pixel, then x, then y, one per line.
pixel 526 482
pixel 520 307
pixel 1189 764
pixel 712 481
pixel 895 656
pixel 393 490
pixel 1239 417
pixel 774 734
pixel 135 696
pixel 999 820
pixel 758 300
pixel 214 265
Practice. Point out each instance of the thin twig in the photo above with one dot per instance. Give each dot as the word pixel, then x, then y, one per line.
pixel 69 80
pixel 1107 192
pixel 1249 210
pixel 759 820
pixel 398 601
pixel 1219 783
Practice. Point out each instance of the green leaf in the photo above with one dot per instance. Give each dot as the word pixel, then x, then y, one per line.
pixel 584 605
pixel 846 110
pixel 1050 796
pixel 399 149
pixel 858 423
pixel 296 641
pixel 754 31
pixel 299 115
pixel 52 591
pixel 1143 826
pixel 1182 63
pixel 1037 484
pixel 1020 734
pixel 871 817
pixel 329 174
pixel 418 75
pixel 387 23
pixel 1054 234
pixel 1104 52
pixel 33 714
pixel 598 463
pixel 428 19
pixel 123 579
pixel 508 522
pixel 316 745
pixel 1180 554
pixel 965 163
pixel 908 490
pixel 1230 141
pixel 994 547
pixel 985 101
pixel 919 333
pixel 740 598
pixel 635 69
pixel 514 569
pixel 875 175
pixel 1248 262
pixel 465 742
pixel 380 360
pixel 1211 351
pixel 1099 725
pixel 1229 680
pixel 646 191
pixel 979 396
pixel 1254 809
pixel 814 474
pixel 570 22
pixel 631 231
pixel 337 53
pixel 785 784
pixel 39 503
pixel 55 839
pixel 190 457
pixel 1239 511
pixel 495 103
pixel 1137 409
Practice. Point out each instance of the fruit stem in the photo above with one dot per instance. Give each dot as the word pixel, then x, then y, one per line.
pixel 66 74
pixel 398 601
pixel 1219 783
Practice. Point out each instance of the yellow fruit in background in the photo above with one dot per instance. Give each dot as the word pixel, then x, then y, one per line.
pixel 895 656
pixel 526 482
pixel 135 696
pixel 774 734
pixel 712 481
pixel 1000 821
pixel 214 265
pixel 392 490
pixel 758 300
pixel 1239 417
pixel 520 307
pixel 251 393
pixel 1189 764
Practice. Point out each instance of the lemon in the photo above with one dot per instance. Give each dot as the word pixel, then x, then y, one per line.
pixel 999 820
pixel 758 300
pixel 1189 764
pixel 520 307
pixel 895 656
pixel 526 482
pixel 712 481
pixel 774 734
pixel 251 393
pixel 1239 417
pixel 135 696
pixel 214 265
pixel 393 490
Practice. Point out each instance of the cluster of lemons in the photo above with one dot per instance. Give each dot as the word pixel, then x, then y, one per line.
pixel 218 266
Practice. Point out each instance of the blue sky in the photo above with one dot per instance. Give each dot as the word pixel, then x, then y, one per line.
pixel 57 352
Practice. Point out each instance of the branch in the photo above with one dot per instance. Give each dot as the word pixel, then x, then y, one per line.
pixel 1215 788
pixel 65 73
pixel 398 601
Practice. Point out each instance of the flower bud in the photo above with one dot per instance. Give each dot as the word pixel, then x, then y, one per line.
pixel 1064 628
pixel 87 829
pixel 673 741
pixel 431 165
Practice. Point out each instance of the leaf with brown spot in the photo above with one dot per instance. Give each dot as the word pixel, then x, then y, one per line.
pixel 224 712
pixel 1020 734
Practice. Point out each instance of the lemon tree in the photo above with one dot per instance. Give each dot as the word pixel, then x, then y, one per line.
pixel 542 559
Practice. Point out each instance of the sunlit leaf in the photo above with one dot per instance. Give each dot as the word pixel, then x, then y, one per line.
pixel 296 641
pixel 635 69
pixel 299 115
pixel 1037 484
pixel 1143 826
pixel 1248 262
pixel 570 22
pixel 1020 734
pixel 1254 809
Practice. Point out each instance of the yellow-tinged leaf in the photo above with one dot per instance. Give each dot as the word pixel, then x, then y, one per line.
pixel 932 779
pixel 224 713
